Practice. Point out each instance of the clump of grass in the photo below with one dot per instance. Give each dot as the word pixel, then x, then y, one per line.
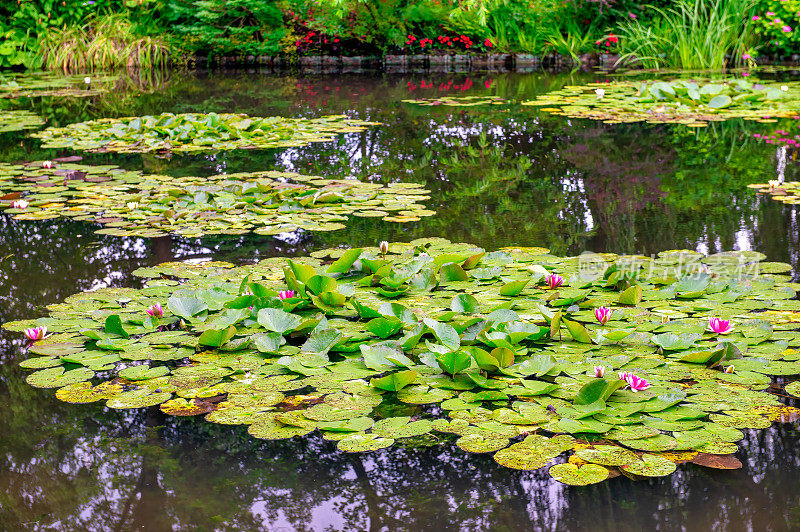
pixel 695 34
pixel 104 43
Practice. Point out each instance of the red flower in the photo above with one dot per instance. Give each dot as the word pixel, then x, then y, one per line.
pixel 613 38
pixel 488 43
pixel 336 39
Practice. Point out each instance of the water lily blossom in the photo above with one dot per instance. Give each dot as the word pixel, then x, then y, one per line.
pixel 635 383
pixel 603 314
pixel 719 326
pixel 784 88
pixel 286 294
pixel 599 371
pixel 600 93
pixel 155 311
pixel 554 280
pixel 729 369
pixel 35 333
pixel 19 204
pixel 384 247
pixel 47 164
pixel 87 80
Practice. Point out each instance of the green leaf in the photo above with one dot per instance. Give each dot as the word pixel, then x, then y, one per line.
pixel 720 101
pixel 578 332
pixel 113 325
pixel 453 362
pixel 384 327
pixel 215 338
pixel 464 303
pixel 452 272
pixel 513 288
pixel 395 381
pixel 631 296
pixel 322 341
pixel 345 262
pixel 186 307
pixel 591 391
pixel 445 333
pixel 278 320
pixel 321 283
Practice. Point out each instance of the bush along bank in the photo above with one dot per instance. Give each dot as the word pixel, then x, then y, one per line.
pixel 708 34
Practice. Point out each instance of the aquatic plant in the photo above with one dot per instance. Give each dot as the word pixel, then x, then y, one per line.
pixel 694 103
pixel 786 192
pixel 193 132
pixel 18 120
pixel 129 203
pixel 466 340
pixel 602 314
pixel 48 84
pixel 694 34
pixel 459 101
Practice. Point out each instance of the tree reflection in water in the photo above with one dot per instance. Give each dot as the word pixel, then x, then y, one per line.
pixel 538 180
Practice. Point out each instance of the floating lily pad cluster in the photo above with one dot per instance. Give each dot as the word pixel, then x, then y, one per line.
pixel 193 132
pixel 459 101
pixel 786 192
pixel 129 203
pixel 49 84
pixel 435 341
pixel 694 103
pixel 18 120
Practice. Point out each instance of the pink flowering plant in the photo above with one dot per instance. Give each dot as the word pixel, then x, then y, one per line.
pixel 776 24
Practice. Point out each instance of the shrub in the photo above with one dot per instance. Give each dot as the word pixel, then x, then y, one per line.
pixel 778 25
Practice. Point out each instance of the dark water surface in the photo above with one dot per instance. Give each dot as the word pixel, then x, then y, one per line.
pixel 498 177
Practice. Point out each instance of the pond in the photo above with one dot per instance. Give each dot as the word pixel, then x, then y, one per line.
pixel 498 176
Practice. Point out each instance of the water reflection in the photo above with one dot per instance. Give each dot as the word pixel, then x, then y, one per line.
pixel 497 178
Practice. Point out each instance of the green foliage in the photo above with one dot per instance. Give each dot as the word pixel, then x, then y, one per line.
pixel 225 27
pixel 694 34
pixel 104 42
pixel 497 374
pixel 687 102
pixel 132 203
pixel 780 30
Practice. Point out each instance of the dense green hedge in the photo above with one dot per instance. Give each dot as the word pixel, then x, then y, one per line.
pixel 358 27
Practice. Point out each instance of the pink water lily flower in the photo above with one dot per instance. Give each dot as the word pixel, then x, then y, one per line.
pixel 719 326
pixel 36 333
pixel 19 204
pixel 155 311
pixel 599 371
pixel 286 294
pixel 47 164
pixel 554 280
pixel 603 314
pixel 635 383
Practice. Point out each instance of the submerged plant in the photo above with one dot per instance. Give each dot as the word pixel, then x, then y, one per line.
pixel 467 340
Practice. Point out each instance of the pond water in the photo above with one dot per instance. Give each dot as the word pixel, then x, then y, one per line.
pixel 498 177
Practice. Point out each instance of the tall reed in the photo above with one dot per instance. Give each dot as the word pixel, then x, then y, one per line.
pixel 105 42
pixel 695 34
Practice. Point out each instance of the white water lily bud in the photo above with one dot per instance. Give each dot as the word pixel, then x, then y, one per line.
pixel 384 247
pixel 600 93
pixel 87 80
pixel 729 369
pixel 784 88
